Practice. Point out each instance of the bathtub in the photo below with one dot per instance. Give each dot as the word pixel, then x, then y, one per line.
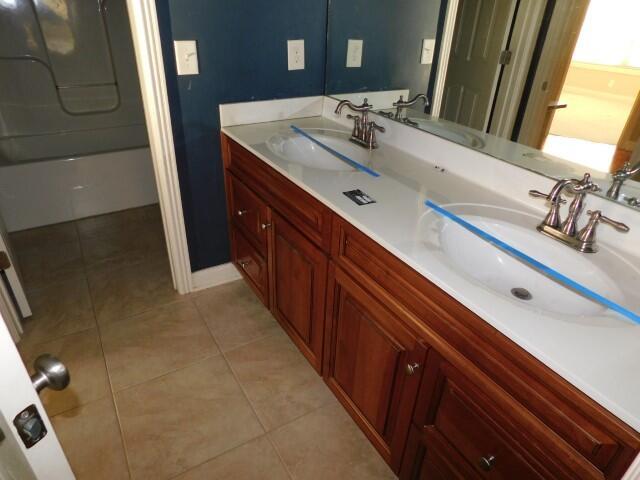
pixel 39 187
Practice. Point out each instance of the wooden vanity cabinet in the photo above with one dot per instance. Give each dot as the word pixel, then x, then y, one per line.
pixel 373 363
pixel 298 285
pixel 437 390
pixel 279 236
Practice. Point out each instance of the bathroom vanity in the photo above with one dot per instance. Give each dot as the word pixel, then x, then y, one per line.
pixel 438 378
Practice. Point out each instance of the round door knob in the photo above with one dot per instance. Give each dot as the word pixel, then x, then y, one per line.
pixel 50 372
pixel 412 368
pixel 487 463
pixel 264 226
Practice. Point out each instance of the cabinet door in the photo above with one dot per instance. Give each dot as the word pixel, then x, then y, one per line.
pixel 374 363
pixel 298 286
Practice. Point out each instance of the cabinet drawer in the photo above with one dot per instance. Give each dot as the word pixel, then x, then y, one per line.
pixel 465 426
pixel 251 263
pixel 302 210
pixel 430 457
pixel 248 212
pixel 497 436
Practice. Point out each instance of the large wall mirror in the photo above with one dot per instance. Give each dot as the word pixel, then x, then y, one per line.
pixel 549 85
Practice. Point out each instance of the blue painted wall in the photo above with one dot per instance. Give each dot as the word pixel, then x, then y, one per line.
pixel 392 32
pixel 242 57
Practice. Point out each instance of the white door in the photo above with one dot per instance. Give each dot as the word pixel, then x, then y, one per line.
pixel 45 460
pixel 480 34
pixel 12 276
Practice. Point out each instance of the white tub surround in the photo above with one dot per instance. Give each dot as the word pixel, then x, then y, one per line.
pixel 600 359
pixel 54 191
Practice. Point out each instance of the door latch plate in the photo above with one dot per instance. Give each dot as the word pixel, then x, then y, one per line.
pixel 30 426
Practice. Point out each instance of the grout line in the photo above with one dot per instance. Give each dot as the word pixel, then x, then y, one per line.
pixel 280 457
pixel 104 359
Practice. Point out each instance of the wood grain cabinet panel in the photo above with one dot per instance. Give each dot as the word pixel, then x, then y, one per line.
pixel 251 264
pixel 373 364
pixel 248 212
pixel 298 285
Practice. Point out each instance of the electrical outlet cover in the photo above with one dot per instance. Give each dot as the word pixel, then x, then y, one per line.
pixel 295 54
pixel 428 47
pixel 354 53
pixel 186 57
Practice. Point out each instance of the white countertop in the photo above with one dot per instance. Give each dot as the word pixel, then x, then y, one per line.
pixel 600 357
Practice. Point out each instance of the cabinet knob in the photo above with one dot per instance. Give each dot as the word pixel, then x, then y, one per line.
pixel 412 368
pixel 487 463
pixel 244 263
pixel 242 212
pixel 264 226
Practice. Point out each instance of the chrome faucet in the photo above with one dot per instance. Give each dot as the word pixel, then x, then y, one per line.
pixel 402 105
pixel 364 130
pixel 566 232
pixel 620 176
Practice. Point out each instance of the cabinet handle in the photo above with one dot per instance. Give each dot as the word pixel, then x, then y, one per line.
pixel 487 463
pixel 264 226
pixel 242 212
pixel 412 368
pixel 244 263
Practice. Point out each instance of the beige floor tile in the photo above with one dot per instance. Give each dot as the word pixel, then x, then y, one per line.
pixel 52 263
pixel 180 420
pixel 82 355
pixel 235 315
pixel 256 460
pixel 90 438
pixel 124 246
pixel 43 236
pixel 327 444
pixel 280 383
pixel 154 343
pixel 119 293
pixel 60 309
pixel 118 221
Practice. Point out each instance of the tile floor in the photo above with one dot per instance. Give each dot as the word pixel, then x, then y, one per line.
pixel 204 386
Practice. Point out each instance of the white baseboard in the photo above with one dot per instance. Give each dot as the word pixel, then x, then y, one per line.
pixel 212 276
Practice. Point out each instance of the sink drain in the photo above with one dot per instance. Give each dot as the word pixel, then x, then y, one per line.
pixel 521 293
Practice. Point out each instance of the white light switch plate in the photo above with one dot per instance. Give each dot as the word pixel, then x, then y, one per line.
pixel 295 53
pixel 354 53
pixel 428 47
pixel 186 57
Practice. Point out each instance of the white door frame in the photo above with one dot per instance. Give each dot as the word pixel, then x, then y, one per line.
pixel 443 58
pixel 146 41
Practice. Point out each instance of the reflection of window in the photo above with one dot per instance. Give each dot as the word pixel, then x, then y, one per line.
pixel 609 35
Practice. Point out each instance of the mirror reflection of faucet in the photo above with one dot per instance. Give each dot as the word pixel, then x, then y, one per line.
pixel 620 176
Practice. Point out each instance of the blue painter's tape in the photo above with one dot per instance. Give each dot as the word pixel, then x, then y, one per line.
pixel 535 263
pixel 342 157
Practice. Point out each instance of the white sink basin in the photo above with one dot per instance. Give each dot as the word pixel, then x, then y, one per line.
pixel 296 148
pixel 499 272
pixel 450 131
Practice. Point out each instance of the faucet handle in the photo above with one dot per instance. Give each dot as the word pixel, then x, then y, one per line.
pixel 373 125
pixel 597 214
pixel 546 196
pixel 587 236
pixel 584 185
